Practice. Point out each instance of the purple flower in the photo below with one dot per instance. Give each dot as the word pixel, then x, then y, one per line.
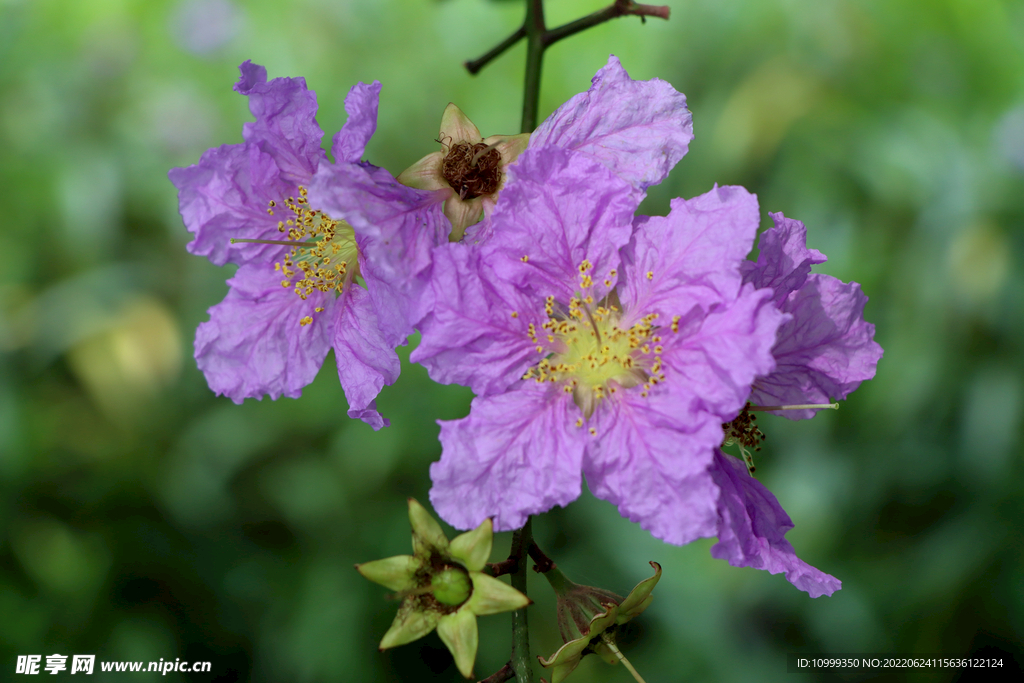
pixel 597 345
pixel 294 296
pixel 825 350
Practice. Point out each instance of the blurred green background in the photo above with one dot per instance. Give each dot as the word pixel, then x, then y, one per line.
pixel 144 518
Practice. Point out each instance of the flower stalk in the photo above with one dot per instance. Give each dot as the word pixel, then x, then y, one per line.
pixel 521 662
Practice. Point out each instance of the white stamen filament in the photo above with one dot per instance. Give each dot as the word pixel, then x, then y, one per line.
pixel 610 642
pixel 284 243
pixel 802 406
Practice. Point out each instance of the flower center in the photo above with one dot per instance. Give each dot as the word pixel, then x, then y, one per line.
pixel 473 170
pixel 451 586
pixel 591 354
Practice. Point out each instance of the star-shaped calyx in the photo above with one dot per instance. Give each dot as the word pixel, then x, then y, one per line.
pixel 442 586
pixel 470 167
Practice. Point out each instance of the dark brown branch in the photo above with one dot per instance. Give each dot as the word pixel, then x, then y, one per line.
pixel 509 566
pixel 543 562
pixel 619 8
pixel 474 65
pixel 544 38
pixel 503 674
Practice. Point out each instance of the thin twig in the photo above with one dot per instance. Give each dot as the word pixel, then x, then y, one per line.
pixel 619 8
pixel 543 562
pixel 508 566
pixel 474 65
pixel 503 674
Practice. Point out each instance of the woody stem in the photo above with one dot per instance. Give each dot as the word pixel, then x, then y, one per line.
pixel 535 45
pixel 521 663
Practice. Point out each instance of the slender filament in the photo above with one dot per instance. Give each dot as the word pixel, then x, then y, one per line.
pixel 610 642
pixel 802 406
pixel 286 243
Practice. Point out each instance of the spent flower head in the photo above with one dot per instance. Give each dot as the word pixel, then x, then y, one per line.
pixel 442 586
pixel 469 169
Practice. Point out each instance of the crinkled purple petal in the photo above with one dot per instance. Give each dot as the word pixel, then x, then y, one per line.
pixel 366 362
pixel 253 344
pixel 515 455
pixel 470 336
pixel 285 125
pixel 639 129
pixel 396 229
pixel 826 349
pixel 824 352
pixel 226 195
pixel 752 528
pixel 653 466
pixel 692 256
pixel 557 210
pixel 783 261
pixel 718 354
pixel 350 142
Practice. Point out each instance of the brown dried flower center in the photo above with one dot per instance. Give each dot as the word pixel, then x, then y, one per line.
pixel 473 170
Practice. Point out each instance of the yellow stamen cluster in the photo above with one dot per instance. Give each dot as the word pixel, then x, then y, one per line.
pixel 589 353
pixel 325 256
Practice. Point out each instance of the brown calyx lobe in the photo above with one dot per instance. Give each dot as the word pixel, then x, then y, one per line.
pixel 473 170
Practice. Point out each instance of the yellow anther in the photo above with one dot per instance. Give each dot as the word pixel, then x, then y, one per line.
pixel 515 314
pixel 305 321
pixel 524 259
pixel 650 274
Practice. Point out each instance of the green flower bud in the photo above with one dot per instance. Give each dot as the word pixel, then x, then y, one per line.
pixel 451 586
pixel 588 618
